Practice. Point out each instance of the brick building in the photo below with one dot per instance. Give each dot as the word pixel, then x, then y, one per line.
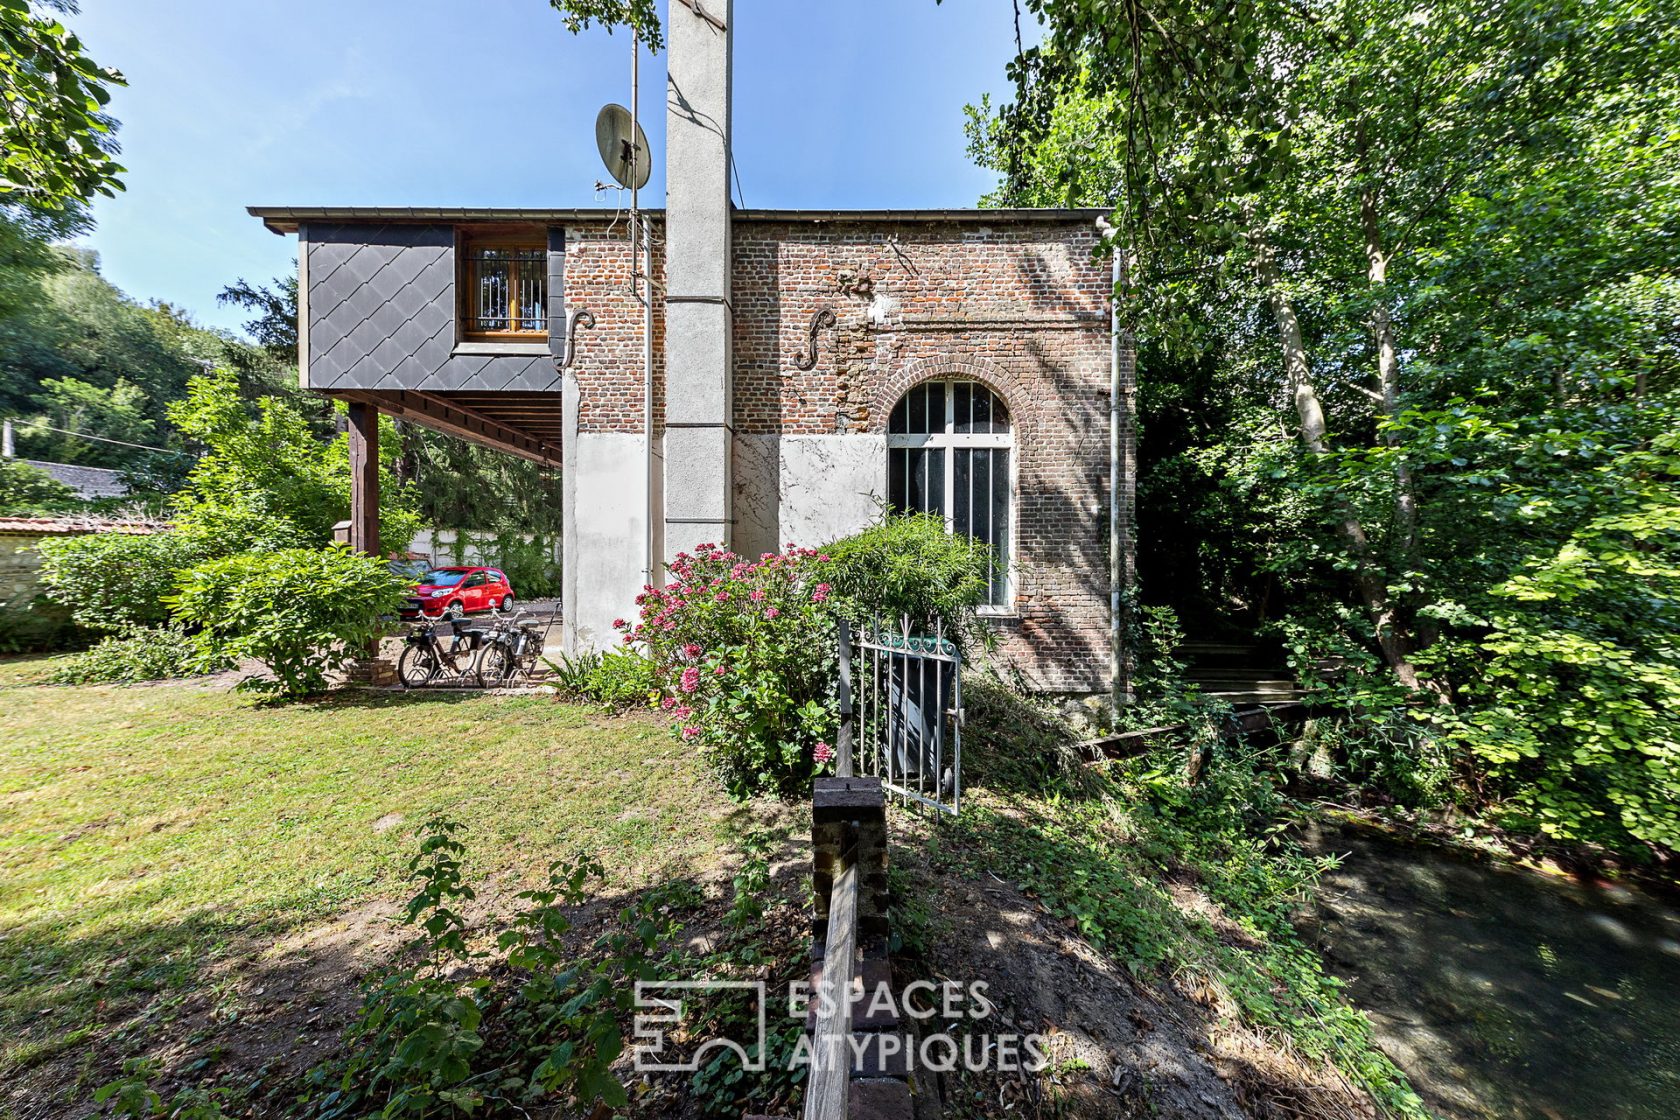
pixel 806 369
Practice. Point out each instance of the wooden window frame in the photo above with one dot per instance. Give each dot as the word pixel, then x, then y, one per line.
pixel 468 243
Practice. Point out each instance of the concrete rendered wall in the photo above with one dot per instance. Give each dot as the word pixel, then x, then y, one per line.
pixel 806 490
pixel 697 502
pixel 605 476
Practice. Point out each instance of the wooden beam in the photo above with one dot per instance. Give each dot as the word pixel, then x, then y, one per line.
pixel 445 415
pixel 540 450
pixel 364 477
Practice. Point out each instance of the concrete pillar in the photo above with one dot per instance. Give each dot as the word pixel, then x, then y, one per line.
pixel 698 311
pixel 364 478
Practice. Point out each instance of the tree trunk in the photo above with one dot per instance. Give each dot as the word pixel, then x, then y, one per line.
pixel 1388 376
pixel 1368 576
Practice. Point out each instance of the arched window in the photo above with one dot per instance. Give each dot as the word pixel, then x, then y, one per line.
pixel 948 453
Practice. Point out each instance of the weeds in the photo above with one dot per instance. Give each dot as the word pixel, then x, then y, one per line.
pixel 442 1035
pixel 617 680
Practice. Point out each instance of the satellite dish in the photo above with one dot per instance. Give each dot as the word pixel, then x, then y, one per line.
pixel 624 147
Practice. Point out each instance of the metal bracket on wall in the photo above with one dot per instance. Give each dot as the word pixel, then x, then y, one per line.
pixel 822 320
pixel 581 317
pixel 694 6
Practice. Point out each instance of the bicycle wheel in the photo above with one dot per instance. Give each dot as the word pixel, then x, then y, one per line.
pixel 496 666
pixel 417 667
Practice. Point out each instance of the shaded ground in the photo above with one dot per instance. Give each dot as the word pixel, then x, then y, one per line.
pixel 1503 992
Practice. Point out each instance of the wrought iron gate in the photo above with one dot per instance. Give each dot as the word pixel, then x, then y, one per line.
pixel 901 712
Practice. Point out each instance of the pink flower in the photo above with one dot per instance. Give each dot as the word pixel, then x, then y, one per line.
pixel 668 703
pixel 683 712
pixel 690 679
pixel 719 671
pixel 772 613
pixel 823 753
pixel 690 732
pixel 722 596
pixel 619 624
pixel 629 638
pixel 820 595
pixel 693 649
pixel 823 558
pixel 757 595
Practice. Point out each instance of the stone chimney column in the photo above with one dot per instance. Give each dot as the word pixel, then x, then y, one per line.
pixel 699 418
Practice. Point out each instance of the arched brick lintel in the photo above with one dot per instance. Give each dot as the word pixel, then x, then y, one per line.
pixel 998 379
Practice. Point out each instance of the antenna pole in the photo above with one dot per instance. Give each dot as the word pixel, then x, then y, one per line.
pixel 641 258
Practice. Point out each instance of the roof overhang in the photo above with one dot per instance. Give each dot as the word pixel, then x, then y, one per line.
pixel 286 219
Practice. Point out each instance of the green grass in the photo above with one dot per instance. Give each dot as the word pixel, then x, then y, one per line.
pixel 147 832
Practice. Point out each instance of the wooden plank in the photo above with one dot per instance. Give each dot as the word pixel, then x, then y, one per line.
pixel 828 1090
pixel 364 478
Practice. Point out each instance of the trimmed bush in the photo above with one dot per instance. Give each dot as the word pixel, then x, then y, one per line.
pixel 302 612
pixel 744 652
pixel 117 581
pixel 910 564
pixel 145 654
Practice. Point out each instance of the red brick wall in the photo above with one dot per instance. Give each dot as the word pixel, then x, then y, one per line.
pixel 609 357
pixel 1020 306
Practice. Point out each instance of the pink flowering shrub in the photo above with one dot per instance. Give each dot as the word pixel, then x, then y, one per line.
pixel 745 655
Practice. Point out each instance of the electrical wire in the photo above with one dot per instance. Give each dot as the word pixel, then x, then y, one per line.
pixel 31 427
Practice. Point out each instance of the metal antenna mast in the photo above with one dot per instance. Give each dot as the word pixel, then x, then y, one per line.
pixel 644 261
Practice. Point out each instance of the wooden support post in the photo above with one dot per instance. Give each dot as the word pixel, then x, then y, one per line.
pixel 364 478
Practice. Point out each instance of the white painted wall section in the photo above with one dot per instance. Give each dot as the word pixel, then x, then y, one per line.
pixel 808 490
pixel 606 526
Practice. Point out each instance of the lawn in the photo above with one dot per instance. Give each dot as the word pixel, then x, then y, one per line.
pixel 148 835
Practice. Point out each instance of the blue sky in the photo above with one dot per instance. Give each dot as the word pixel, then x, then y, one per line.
pixel 492 103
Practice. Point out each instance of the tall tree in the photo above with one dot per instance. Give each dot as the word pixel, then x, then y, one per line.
pixel 1440 242
pixel 56 145
pixel 1265 150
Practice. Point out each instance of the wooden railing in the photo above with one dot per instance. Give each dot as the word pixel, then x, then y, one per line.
pixel 827 1096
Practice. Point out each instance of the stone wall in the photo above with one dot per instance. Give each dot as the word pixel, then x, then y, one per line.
pixel 20 567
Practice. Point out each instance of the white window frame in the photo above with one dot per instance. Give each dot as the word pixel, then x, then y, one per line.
pixel 950 440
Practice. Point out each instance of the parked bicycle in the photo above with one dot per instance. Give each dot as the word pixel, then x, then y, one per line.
pixel 435 652
pixel 510 650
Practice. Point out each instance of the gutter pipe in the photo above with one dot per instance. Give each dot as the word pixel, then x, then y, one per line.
pixel 1119 684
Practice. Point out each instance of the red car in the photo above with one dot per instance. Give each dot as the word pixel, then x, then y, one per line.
pixel 457 592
